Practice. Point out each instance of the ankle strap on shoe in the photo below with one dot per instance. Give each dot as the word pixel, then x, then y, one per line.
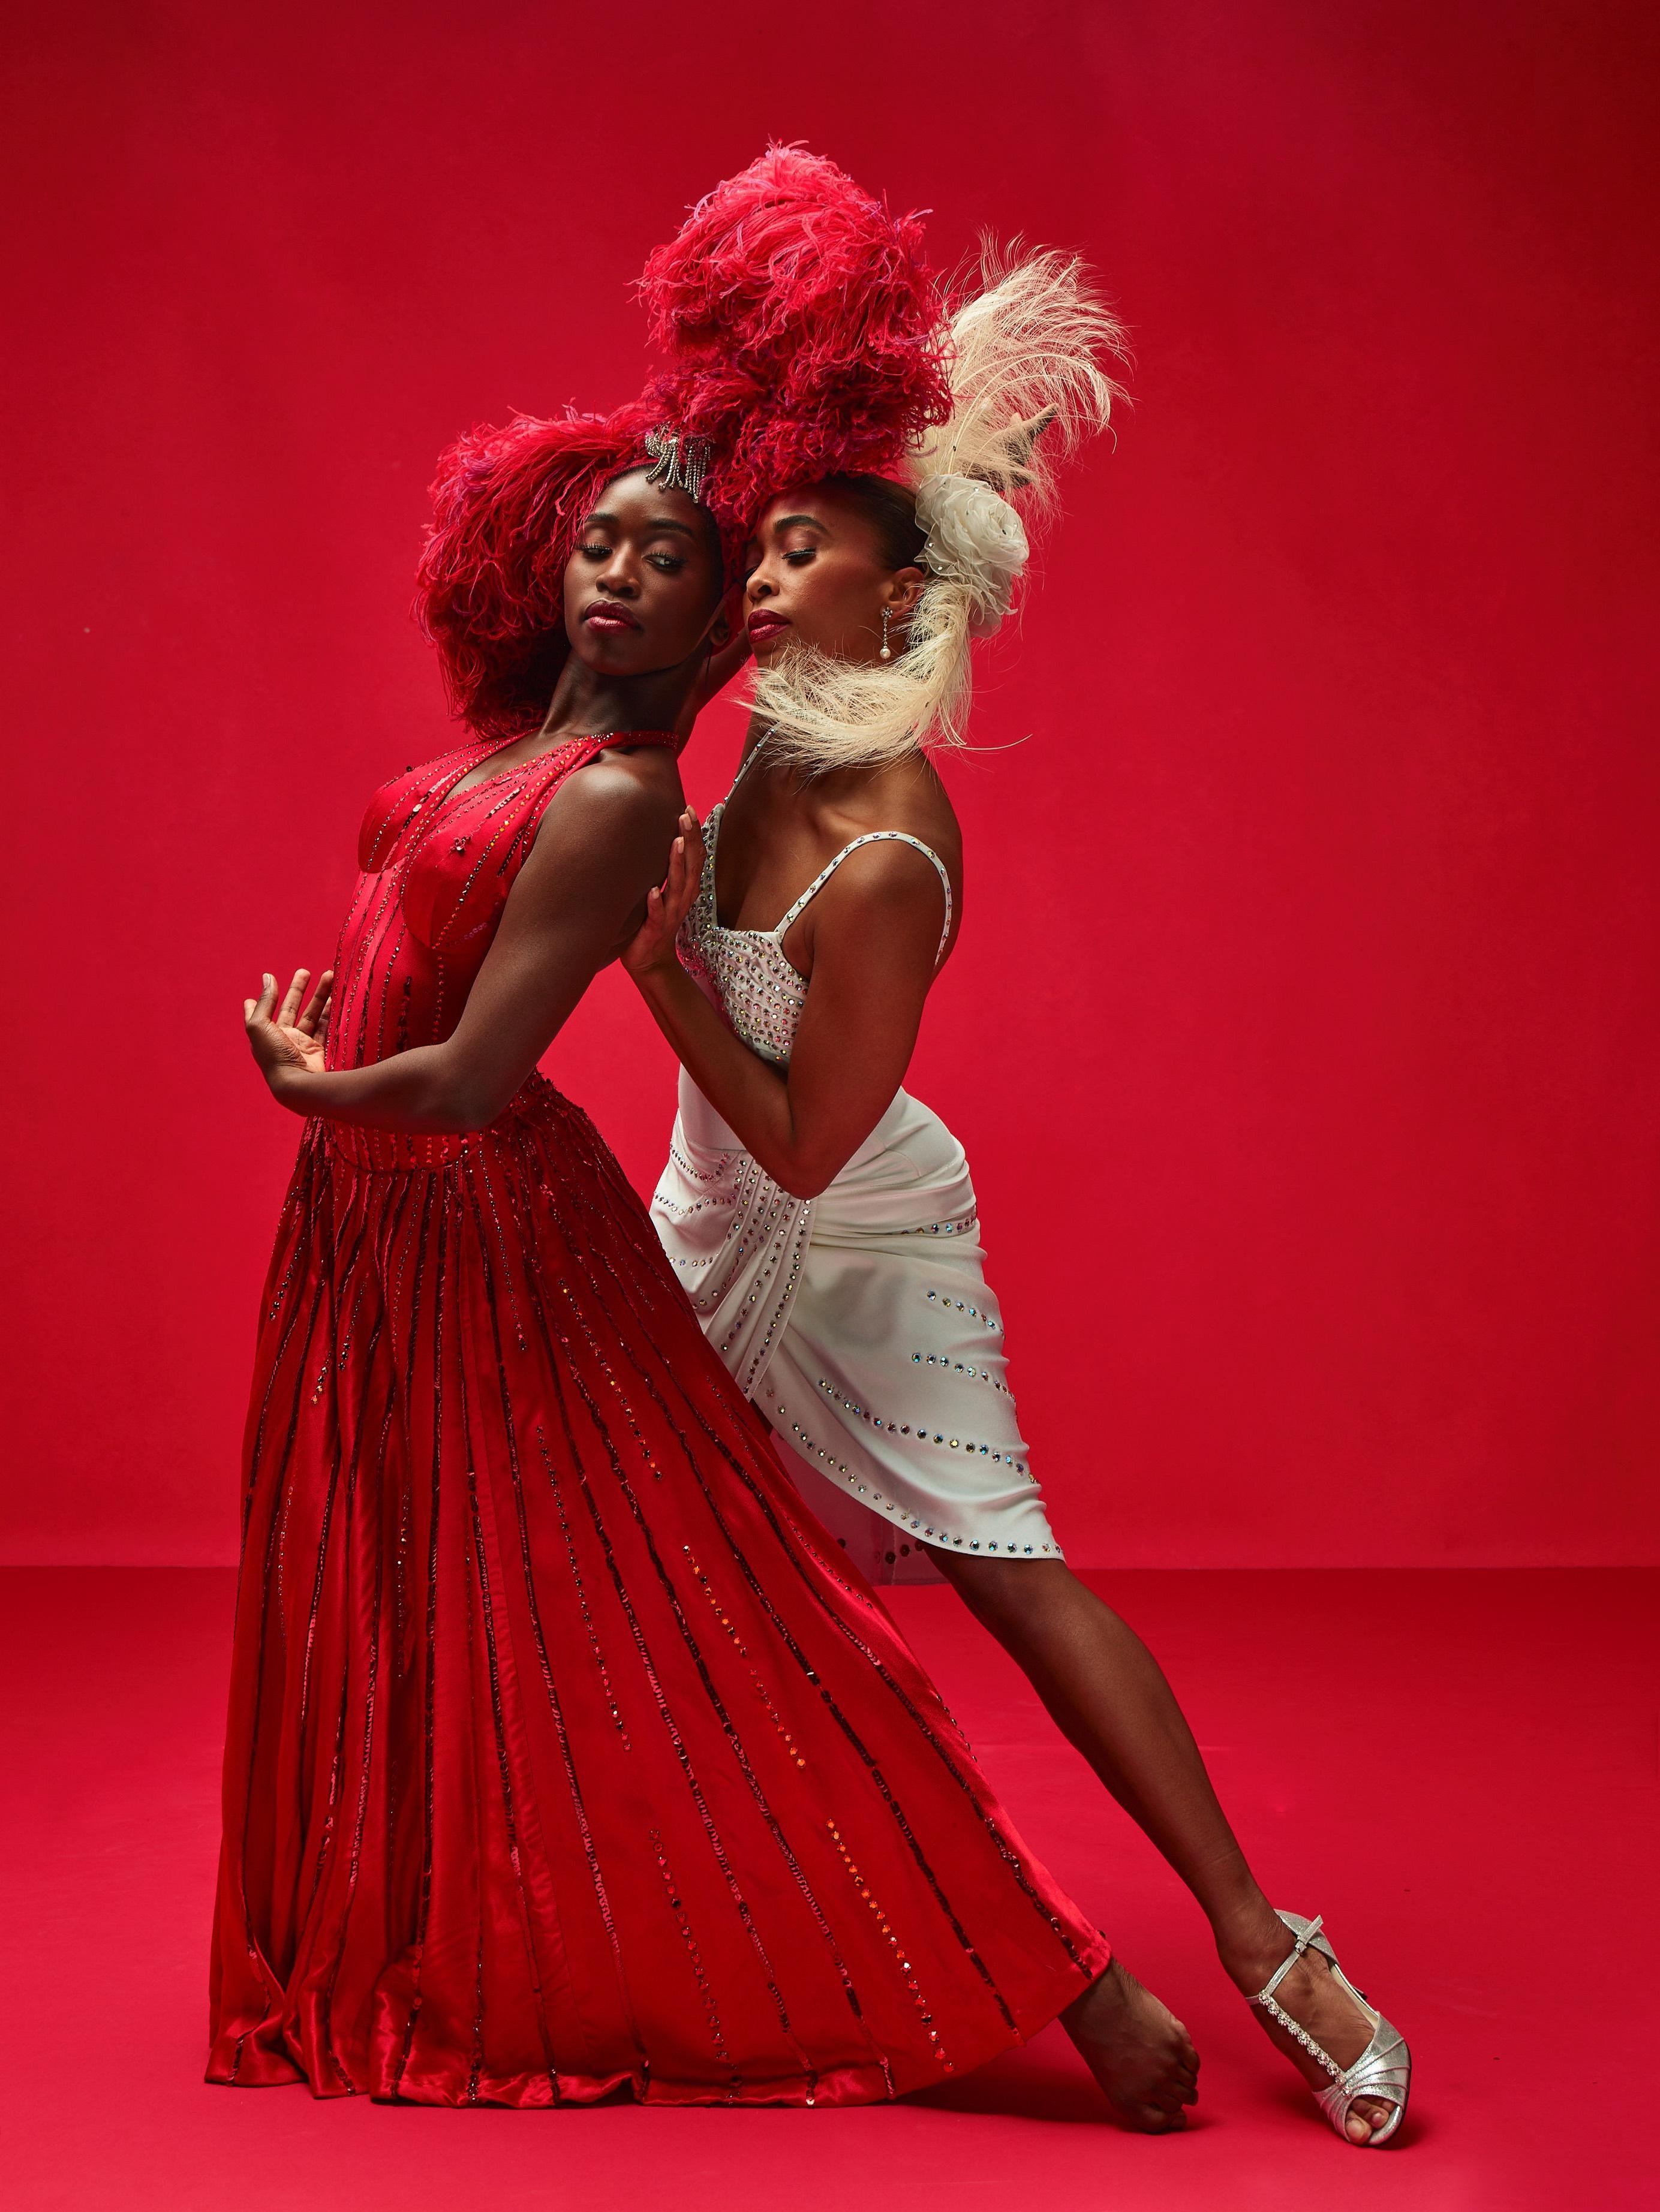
pixel 1286 1965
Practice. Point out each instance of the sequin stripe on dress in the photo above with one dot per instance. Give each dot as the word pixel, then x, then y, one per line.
pixel 679 1615
pixel 884 1929
pixel 429 1685
pixel 325 1519
pixel 264 1596
pixel 642 1652
pixel 492 1246
pixel 311 1943
pixel 519 1809
pixel 797 1758
pixel 508 802
pixel 370 1382
pixel 509 1803
pixel 871 1765
pixel 473 1175
pixel 584 1826
pixel 476 2039
pixel 290 1465
pixel 568 1366
pixel 376 1546
pixel 966 1784
pixel 358 945
pixel 293 1264
pixel 347 1269
pixel 296 1218
pixel 693 1952
pixel 405 1284
pixel 403 1305
pixel 596 1649
pixel 383 892
pixel 471 755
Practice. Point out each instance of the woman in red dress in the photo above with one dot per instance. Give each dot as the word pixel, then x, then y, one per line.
pixel 563 1753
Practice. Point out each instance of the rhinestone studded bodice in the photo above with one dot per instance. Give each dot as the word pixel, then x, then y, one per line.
pixel 436 864
pixel 746 971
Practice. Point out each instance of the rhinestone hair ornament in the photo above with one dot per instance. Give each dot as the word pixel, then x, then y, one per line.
pixel 678 461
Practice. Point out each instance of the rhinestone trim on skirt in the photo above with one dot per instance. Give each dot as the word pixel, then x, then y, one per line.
pixel 861 1324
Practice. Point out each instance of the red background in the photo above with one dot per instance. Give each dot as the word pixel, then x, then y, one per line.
pixel 1302 1035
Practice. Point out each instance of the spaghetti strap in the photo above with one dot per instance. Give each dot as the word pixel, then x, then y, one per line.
pixel 713 826
pixel 747 763
pixel 871 837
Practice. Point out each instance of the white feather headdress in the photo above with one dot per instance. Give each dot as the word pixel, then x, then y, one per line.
pixel 1030 380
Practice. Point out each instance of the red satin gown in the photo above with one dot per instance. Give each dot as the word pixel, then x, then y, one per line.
pixel 564 1752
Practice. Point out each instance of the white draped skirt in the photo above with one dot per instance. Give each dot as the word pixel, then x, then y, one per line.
pixel 860 1323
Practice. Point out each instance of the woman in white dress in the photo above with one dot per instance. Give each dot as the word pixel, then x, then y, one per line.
pixel 823 1221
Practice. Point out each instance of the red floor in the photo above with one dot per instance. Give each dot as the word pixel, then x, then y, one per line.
pixel 1476 1818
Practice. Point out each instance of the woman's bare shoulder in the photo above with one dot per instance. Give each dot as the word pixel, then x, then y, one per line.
pixel 906 795
pixel 620 803
pixel 632 780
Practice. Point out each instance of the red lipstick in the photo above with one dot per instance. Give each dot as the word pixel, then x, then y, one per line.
pixel 765 622
pixel 609 614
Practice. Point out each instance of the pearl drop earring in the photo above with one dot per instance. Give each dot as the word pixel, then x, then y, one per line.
pixel 887 651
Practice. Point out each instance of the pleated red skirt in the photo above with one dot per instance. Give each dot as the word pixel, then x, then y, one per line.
pixel 563 1753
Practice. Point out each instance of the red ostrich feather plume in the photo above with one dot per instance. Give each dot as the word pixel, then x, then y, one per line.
pixel 805 332
pixel 805 336
pixel 506 506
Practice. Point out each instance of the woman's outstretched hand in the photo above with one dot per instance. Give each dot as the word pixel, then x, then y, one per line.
pixel 653 945
pixel 287 1039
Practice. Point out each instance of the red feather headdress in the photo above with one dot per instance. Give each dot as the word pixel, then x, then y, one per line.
pixel 805 334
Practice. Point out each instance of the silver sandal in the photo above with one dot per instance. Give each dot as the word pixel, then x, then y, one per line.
pixel 1383 2070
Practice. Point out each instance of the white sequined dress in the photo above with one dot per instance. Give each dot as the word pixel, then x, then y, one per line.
pixel 859 1322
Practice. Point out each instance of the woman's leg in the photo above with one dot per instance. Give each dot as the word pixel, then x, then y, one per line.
pixel 1106 1691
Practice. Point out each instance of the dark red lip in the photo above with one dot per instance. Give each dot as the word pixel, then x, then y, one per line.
pixel 765 623
pixel 609 614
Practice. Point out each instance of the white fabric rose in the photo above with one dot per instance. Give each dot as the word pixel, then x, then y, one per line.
pixel 975 538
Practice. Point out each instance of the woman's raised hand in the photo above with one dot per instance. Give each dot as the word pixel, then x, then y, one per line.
pixel 289 1036
pixel 667 908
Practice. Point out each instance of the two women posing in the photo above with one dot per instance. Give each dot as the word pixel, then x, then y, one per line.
pixel 563 1753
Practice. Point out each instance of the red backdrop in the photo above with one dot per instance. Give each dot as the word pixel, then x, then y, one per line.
pixel 1302 1034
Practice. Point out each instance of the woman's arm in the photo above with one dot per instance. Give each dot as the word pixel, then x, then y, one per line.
pixel 874 938
pixel 577 901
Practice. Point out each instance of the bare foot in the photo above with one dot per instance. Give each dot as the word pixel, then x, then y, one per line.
pixel 1334 2021
pixel 1137 2050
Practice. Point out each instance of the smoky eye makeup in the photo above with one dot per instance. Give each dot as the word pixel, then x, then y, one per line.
pixel 799 538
